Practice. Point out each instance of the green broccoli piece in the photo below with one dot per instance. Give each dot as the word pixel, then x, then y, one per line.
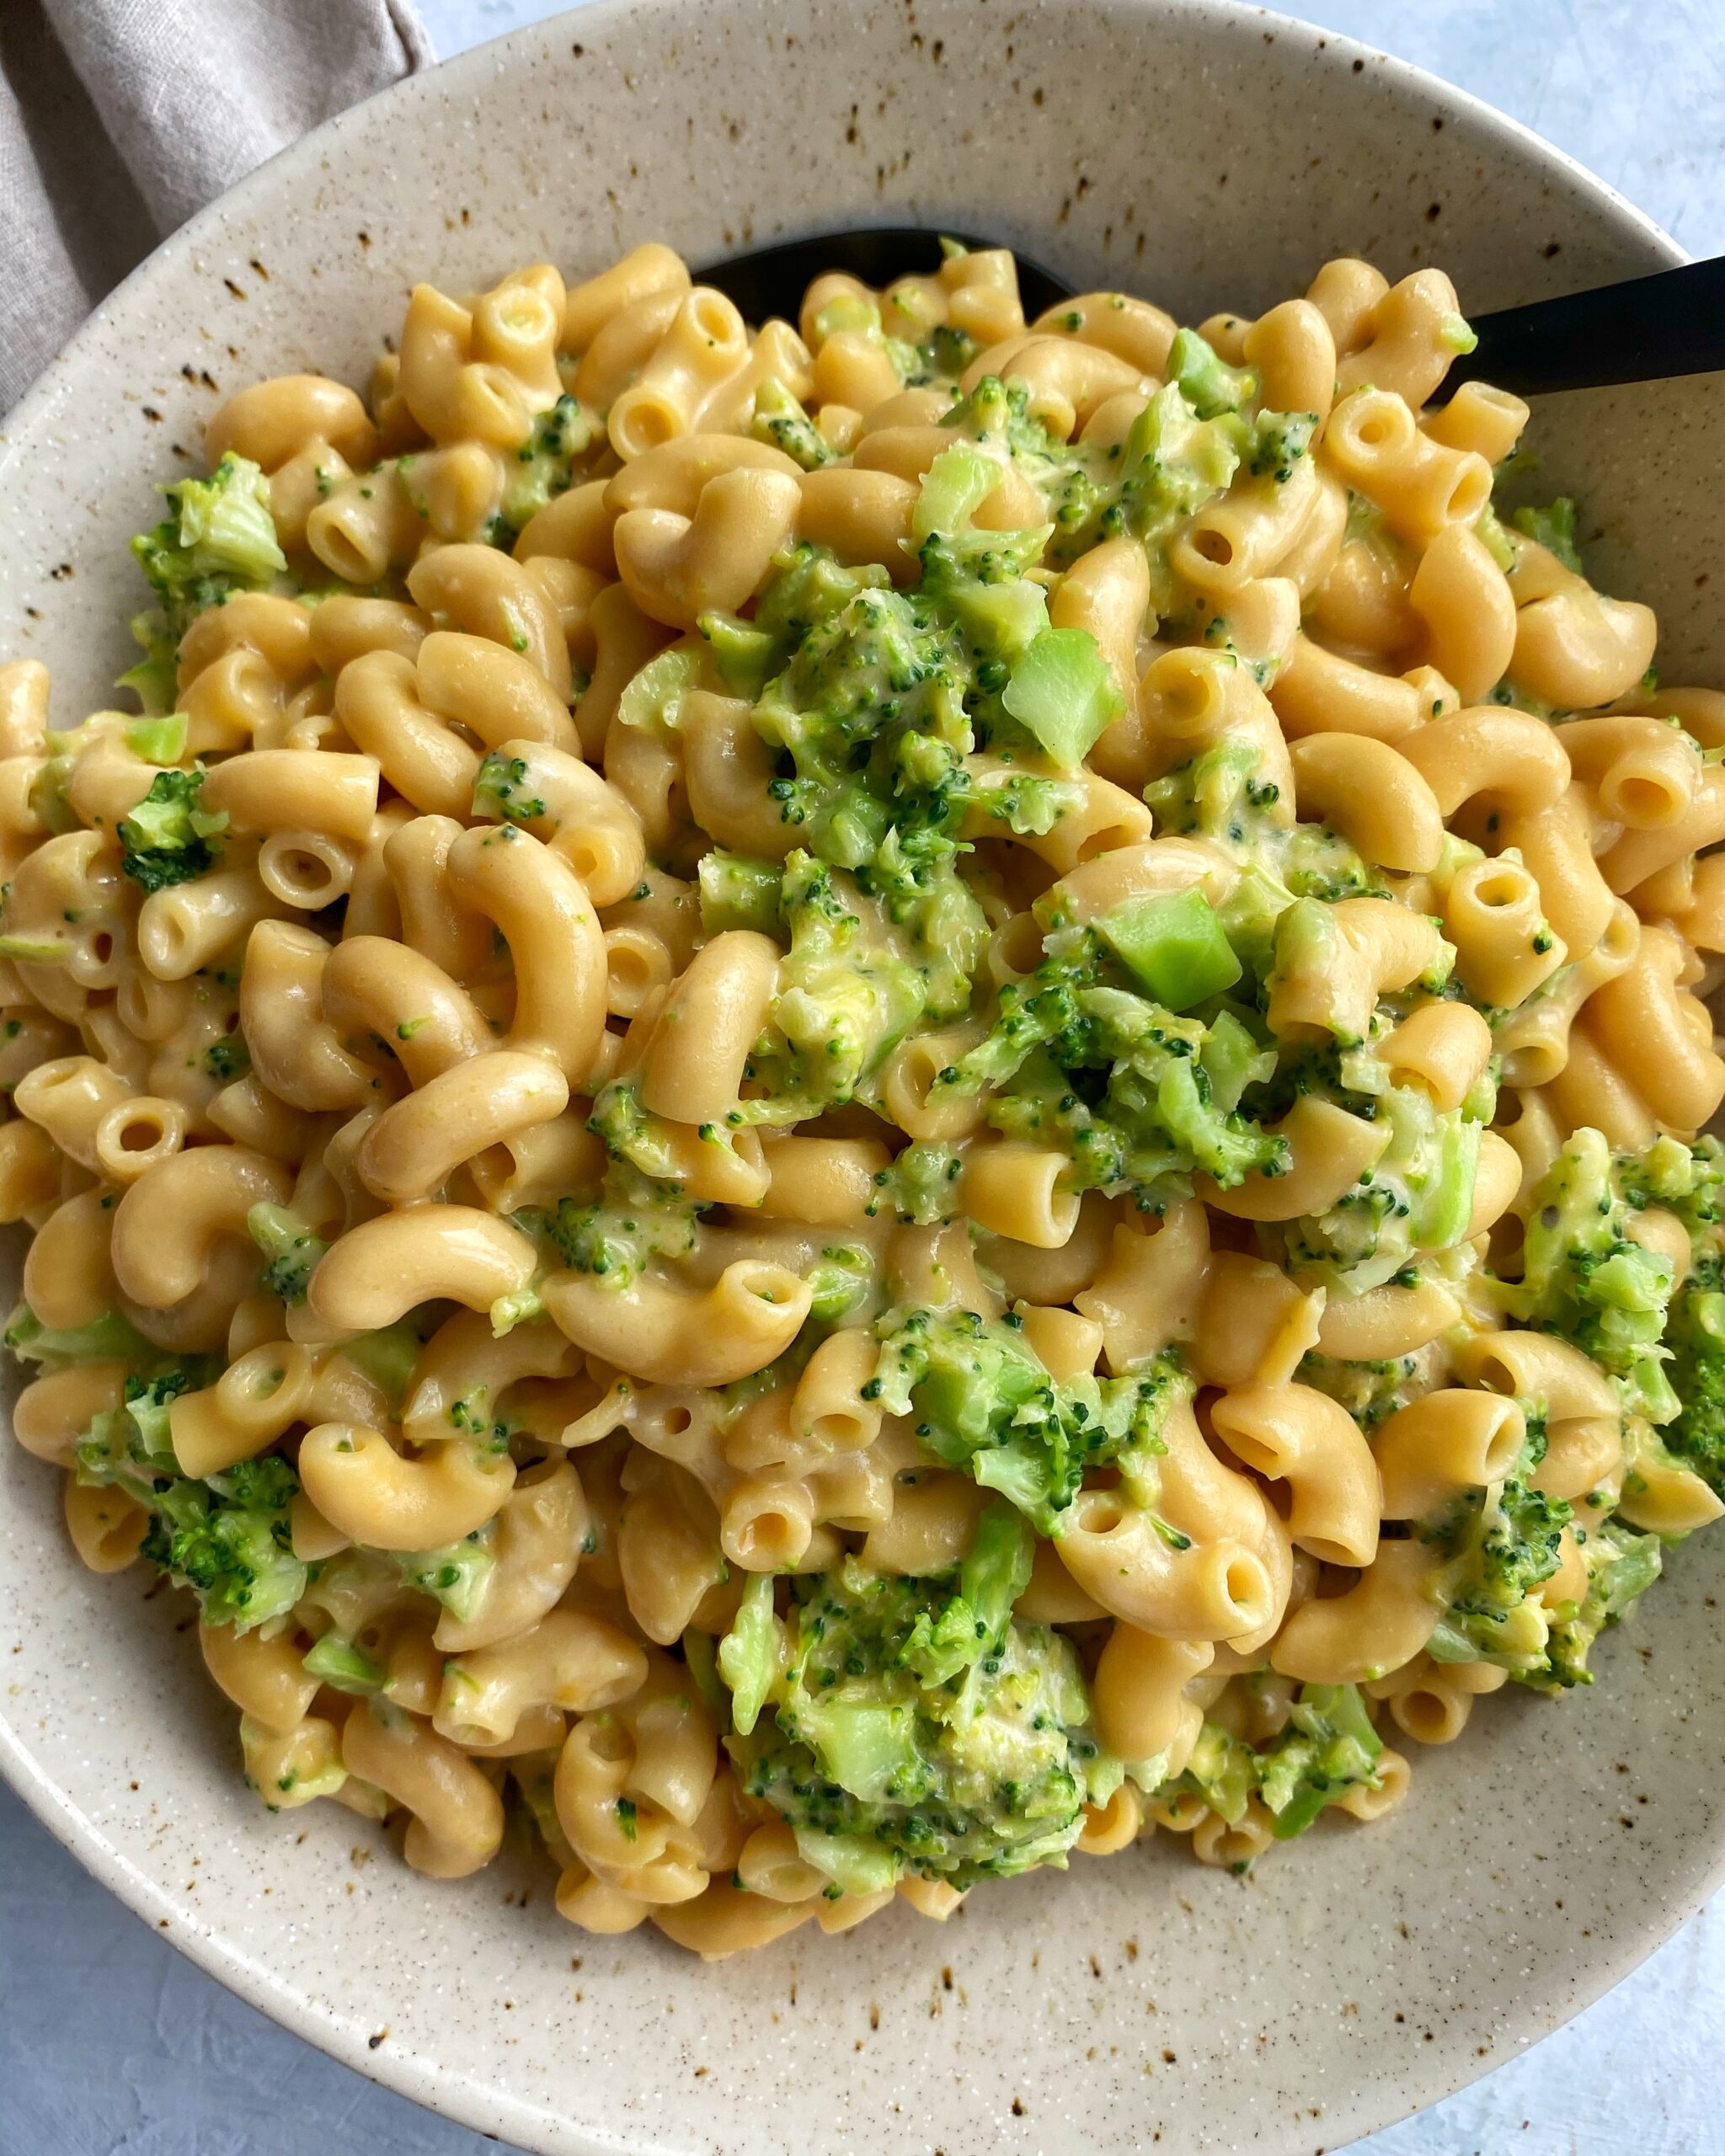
pixel 219 538
pixel 292 1250
pixel 844 999
pixel 457 1575
pixel 1062 692
pixel 634 1220
pixel 840 1282
pixel 543 465
pixel 1325 1748
pixel 738 892
pixel 1621 1565
pixel 781 422
pixel 1328 1747
pixel 1554 529
pixel 167 839
pixel 1500 1545
pixel 1371 1392
pixel 920 1188
pixel 227 1536
pixel 337 1662
pixel 104 1339
pixel 1280 441
pixel 881 1768
pixel 131 1447
pixel 1206 382
pixel 1118 1082
pixel 1697 1336
pixel 983 1402
pixel 229 1539
pixel 1690 1183
pixel 147 1400
pixel 1221 1771
pixel 154 679
pixel 997 1571
pixel 1584 1278
pixel 501 790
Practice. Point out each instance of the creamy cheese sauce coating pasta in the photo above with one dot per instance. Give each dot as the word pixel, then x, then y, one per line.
pixel 868 1099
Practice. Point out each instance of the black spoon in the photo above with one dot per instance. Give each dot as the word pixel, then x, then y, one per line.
pixel 1646 329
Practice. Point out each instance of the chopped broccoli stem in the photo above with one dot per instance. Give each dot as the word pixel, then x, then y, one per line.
pixel 337 1662
pixel 108 1338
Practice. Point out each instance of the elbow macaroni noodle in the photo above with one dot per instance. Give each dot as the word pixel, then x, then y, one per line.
pixel 909 963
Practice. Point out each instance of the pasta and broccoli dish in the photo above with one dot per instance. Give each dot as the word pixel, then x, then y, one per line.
pixel 855 1103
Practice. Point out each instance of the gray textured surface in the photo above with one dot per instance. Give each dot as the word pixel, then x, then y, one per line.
pixel 111 2046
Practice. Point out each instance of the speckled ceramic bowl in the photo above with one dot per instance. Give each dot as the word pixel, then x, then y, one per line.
pixel 1205 156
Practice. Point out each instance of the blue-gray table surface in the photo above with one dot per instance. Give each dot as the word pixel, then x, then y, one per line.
pixel 111 2045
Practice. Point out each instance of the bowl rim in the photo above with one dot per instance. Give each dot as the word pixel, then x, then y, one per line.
pixel 449 2090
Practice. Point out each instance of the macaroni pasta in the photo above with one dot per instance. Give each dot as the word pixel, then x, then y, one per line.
pixel 867 1098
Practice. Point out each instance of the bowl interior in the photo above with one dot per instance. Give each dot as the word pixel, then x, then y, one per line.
pixel 1205 157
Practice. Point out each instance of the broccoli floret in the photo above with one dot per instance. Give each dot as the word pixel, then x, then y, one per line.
pixel 229 1539
pixel 167 839
pixel 1553 529
pixel 153 680
pixel 337 1662
pixel 226 1535
pixel 1279 441
pixel 1220 1770
pixel 983 1402
pixel 1690 1183
pixel 749 1655
pixel 615 1237
pixel 1328 1747
pixel 1500 1545
pixel 502 789
pixel 1172 465
pixel 918 1729
pixel 456 1574
pixel 1697 1435
pixel 845 999
pixel 1583 1278
pixel 840 1282
pixel 292 1250
pixel 1119 1083
pixel 543 466
pixel 1371 1392
pixel 921 1185
pixel 219 538
pixel 737 892
pixel 1621 1565
pixel 1206 381
pixel 1062 692
pixel 782 423
pixel 942 1646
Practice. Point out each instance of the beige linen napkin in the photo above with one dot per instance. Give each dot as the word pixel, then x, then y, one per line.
pixel 120 118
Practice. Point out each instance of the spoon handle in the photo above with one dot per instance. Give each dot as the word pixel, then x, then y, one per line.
pixel 1646 330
